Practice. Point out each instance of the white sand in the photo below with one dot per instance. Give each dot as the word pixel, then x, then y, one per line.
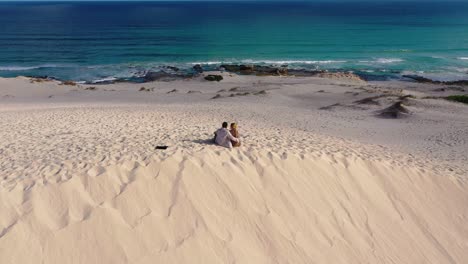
pixel 81 182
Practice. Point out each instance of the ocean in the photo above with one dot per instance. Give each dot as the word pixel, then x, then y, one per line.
pixel 90 41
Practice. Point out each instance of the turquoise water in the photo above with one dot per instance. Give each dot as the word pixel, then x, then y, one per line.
pixel 93 41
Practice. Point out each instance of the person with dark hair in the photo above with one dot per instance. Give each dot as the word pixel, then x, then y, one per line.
pixel 224 138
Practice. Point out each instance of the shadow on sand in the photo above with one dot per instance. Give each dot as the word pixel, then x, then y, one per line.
pixel 204 141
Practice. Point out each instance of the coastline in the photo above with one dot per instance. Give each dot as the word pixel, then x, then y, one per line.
pixel 353 118
pixel 170 72
pixel 324 174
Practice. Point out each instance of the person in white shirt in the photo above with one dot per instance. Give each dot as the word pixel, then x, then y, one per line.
pixel 223 137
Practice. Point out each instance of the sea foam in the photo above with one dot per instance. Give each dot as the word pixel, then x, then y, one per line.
pixel 27 68
pixel 273 62
pixel 388 60
pixel 16 68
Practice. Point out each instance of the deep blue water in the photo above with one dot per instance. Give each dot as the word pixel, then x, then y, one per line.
pixel 98 40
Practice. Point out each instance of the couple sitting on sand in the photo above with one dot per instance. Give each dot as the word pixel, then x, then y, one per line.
pixel 227 138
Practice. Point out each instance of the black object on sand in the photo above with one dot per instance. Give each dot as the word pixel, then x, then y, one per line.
pixel 161 147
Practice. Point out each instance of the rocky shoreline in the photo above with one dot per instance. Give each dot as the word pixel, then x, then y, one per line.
pixel 421 79
pixel 171 73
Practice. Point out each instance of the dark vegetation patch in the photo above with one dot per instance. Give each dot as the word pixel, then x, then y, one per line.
pixel 458 98
pixel 143 89
pixel 395 111
pixel 262 92
pixel 71 83
pixel 329 107
pixel 213 78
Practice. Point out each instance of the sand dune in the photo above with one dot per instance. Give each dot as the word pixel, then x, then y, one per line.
pixel 81 182
pixel 217 206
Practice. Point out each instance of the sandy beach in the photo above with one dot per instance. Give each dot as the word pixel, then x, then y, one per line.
pixel 331 170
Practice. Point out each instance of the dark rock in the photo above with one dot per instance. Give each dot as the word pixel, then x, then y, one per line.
pixel 303 73
pixel 231 68
pixel 198 68
pixel 212 78
pixel 256 70
pixel 262 70
pixel 156 76
pixel 460 82
pixel 246 69
pixel 164 76
pixel 268 70
pixel 421 79
pixel 172 68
